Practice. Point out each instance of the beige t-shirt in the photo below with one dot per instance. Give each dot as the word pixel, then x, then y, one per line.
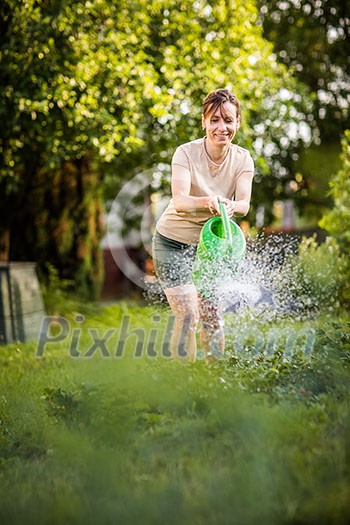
pixel 207 178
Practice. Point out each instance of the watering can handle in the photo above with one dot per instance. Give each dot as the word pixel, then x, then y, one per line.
pixel 227 226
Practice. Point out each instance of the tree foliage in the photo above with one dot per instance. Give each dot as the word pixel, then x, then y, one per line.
pixel 92 90
pixel 312 39
pixel 73 74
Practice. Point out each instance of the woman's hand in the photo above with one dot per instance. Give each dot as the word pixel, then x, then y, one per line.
pixel 230 205
pixel 213 204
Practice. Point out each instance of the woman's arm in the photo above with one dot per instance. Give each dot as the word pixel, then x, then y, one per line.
pixel 183 201
pixel 243 193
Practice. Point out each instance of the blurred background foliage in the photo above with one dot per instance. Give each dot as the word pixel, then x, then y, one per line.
pixel 94 92
pixel 311 37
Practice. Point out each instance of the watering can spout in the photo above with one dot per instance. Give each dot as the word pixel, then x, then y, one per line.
pixel 221 243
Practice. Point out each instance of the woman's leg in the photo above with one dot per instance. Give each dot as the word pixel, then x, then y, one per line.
pixel 183 302
pixel 212 338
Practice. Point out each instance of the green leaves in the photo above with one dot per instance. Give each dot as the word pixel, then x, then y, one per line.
pixel 105 80
pixel 337 221
pixel 111 87
pixel 62 82
pixel 311 39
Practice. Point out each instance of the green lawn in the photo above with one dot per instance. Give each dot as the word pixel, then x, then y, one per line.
pixel 261 437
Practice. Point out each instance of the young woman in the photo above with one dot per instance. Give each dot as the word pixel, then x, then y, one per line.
pixel 205 172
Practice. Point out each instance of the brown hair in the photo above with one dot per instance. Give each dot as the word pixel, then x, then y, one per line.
pixel 216 99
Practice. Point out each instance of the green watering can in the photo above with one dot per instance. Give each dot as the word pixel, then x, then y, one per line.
pixel 220 250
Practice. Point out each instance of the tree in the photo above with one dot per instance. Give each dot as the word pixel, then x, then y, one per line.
pixel 196 47
pixel 312 39
pixel 93 90
pixel 68 101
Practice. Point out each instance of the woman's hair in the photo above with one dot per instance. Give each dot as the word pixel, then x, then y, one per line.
pixel 216 98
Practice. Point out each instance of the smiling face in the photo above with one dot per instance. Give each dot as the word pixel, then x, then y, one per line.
pixel 222 124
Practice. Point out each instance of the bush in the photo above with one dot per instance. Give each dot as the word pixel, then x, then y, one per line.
pixel 315 277
pixel 59 294
pixel 337 221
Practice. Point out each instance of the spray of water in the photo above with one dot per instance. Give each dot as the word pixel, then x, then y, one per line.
pixel 267 287
pixel 265 283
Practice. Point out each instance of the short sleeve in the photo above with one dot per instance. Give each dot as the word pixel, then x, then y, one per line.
pixel 180 158
pixel 248 164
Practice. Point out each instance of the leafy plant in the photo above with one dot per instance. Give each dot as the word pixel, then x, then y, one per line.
pixel 318 279
pixel 337 221
pixel 255 438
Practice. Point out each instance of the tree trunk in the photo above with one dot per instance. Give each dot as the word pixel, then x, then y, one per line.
pixel 59 221
pixel 5 245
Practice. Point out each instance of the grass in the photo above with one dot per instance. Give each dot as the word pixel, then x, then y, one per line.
pixel 260 437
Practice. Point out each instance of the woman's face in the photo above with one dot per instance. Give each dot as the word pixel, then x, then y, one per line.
pixel 221 125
